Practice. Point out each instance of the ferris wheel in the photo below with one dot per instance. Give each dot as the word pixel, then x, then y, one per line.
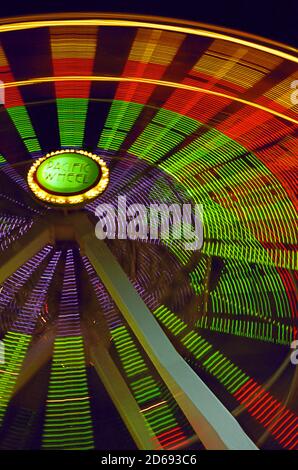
pixel 129 342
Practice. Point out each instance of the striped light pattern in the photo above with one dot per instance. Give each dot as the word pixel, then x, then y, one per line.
pixel 11 228
pixel 12 173
pixel 73 53
pixel 17 109
pixel 151 53
pixel 17 280
pixel 68 422
pixel 260 404
pixel 18 338
pixel 149 393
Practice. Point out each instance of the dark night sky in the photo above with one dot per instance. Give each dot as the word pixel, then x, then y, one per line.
pixel 273 19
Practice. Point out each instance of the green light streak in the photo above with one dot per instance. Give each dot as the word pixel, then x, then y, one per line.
pixel 72 114
pixel 145 389
pixel 214 362
pixel 15 347
pixel 22 122
pixel 68 422
pixel 122 116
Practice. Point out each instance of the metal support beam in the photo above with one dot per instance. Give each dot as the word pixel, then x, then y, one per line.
pixel 212 422
pixel 118 391
pixel 38 355
pixel 23 249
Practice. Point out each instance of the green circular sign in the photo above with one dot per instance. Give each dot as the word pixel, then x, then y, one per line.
pixel 68 173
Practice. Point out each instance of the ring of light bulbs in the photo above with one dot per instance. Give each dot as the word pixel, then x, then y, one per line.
pixel 63 200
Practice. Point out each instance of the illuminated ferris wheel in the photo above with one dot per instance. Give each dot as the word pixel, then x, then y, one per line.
pixel 122 343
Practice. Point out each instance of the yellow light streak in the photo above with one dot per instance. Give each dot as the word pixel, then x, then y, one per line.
pixel 153 406
pixel 182 86
pixel 63 400
pixel 143 24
